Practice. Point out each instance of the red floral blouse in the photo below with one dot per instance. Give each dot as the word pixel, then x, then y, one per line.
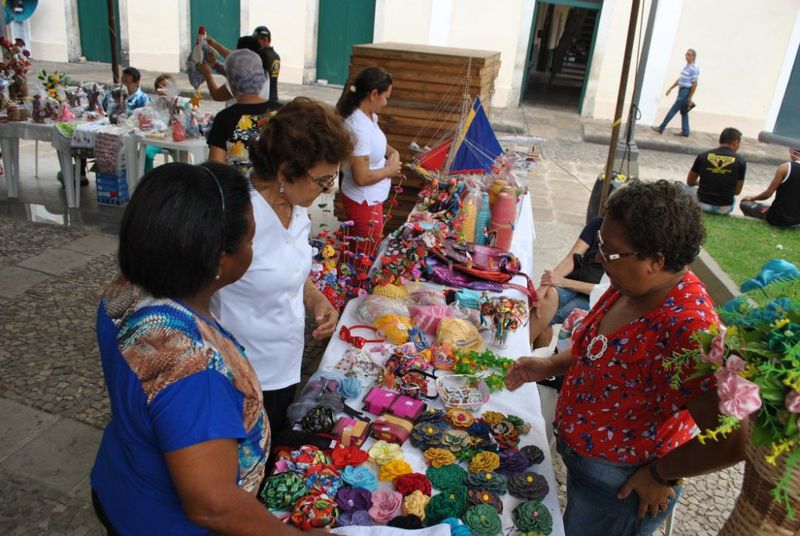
pixel 617 403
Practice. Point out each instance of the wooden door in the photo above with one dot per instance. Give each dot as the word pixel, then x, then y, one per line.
pixel 93 25
pixel 221 19
pixel 342 24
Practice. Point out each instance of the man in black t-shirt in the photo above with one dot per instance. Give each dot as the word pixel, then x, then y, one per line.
pixel 718 174
pixel 271 62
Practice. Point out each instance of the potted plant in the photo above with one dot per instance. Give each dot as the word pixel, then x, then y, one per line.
pixel 754 355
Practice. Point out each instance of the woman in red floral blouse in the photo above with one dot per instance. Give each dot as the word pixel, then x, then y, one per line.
pixel 621 427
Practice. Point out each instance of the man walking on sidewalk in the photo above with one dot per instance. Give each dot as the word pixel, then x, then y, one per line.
pixel 687 84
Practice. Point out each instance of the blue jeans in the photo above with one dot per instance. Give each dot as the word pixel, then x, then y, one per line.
pixel 568 301
pixel 679 106
pixel 593 508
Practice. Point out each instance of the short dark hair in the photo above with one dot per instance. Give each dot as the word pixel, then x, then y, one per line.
pixel 175 228
pixel 298 136
pixel 249 42
pixel 659 217
pixel 359 89
pixel 162 78
pixel 729 135
pixel 133 72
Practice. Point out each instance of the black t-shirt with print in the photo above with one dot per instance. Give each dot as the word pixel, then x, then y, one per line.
pixel 719 170
pixel 234 129
pixel 271 62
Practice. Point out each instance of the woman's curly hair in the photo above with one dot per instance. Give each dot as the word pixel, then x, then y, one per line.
pixel 659 217
pixel 301 134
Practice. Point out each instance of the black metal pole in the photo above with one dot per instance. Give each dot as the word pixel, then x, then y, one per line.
pixel 623 83
pixel 112 32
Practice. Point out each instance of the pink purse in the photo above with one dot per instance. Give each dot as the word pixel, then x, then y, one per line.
pixel 378 400
pixel 392 429
pixel 406 407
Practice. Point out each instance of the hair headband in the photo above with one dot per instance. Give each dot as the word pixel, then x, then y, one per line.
pixel 219 185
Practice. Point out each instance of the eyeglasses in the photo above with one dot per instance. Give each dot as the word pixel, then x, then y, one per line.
pixel 325 182
pixel 608 257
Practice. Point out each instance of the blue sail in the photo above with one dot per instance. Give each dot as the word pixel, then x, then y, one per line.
pixel 477 143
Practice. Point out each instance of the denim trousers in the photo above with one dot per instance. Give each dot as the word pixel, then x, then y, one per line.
pixel 593 508
pixel 568 301
pixel 680 105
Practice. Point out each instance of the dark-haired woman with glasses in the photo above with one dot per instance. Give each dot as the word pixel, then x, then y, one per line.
pixel 366 177
pixel 296 158
pixel 626 436
pixel 186 446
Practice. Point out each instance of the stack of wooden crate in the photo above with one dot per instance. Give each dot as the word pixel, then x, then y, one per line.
pixel 430 88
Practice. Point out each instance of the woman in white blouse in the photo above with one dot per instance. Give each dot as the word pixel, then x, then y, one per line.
pixel 366 177
pixel 296 159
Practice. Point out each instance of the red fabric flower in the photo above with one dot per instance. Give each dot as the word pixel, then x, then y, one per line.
pixel 408 484
pixel 344 456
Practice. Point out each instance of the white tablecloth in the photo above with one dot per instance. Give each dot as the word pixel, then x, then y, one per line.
pixel 523 402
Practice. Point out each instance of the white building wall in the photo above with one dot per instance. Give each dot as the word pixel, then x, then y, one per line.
pixel 49 31
pixel 293 33
pixel 154 41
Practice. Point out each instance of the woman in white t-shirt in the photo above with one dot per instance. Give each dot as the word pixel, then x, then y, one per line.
pixel 296 159
pixel 366 177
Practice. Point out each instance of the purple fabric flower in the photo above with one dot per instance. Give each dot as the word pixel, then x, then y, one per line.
pixel 359 517
pixel 354 499
pixel 512 461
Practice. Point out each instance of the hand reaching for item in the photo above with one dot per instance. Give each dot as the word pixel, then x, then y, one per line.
pixel 525 370
pixel 326 317
pixel 653 497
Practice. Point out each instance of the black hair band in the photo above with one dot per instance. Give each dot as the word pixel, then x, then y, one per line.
pixel 219 186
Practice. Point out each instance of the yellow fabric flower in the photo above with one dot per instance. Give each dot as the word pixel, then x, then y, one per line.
pixel 484 462
pixel 393 469
pixel 383 452
pixel 328 251
pixel 493 417
pixel 415 504
pixel 460 418
pixel 439 457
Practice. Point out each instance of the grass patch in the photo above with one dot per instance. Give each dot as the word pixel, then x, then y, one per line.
pixel 742 246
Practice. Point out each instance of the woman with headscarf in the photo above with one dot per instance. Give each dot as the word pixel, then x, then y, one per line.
pixel 238 125
pixel 296 159
pixel 626 436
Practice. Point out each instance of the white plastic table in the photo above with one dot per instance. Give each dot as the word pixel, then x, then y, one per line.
pixel 194 148
pixel 523 402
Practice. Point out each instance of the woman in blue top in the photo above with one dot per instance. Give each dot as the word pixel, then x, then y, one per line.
pixel 185 450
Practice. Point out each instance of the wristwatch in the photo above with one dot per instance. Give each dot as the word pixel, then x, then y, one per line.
pixel 653 469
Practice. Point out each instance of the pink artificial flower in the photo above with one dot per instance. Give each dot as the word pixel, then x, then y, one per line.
pixel 793 401
pixel 716 352
pixel 737 397
pixel 735 364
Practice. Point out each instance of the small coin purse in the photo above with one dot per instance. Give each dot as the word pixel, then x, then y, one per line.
pixel 392 429
pixel 406 407
pixel 351 431
pixel 378 400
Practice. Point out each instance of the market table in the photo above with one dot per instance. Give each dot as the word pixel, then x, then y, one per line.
pixel 13 131
pixel 523 402
pixel 196 148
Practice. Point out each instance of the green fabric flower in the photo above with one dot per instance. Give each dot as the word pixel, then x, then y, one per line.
pixel 447 476
pixel 533 517
pixel 488 480
pixel 281 491
pixel 448 503
pixel 483 520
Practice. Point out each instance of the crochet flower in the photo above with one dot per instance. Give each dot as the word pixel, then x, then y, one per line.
pixel 492 417
pixel 484 462
pixel 360 477
pixel 439 457
pixel 415 504
pixel 512 461
pixel 533 453
pixel 314 512
pixel 483 520
pixel 385 505
pixel 486 480
pixel 479 429
pixel 425 435
pixel 350 387
pixel 455 440
pixel 509 440
pixel 460 418
pixel 484 496
pixel 359 517
pixel 354 499
pixel 344 456
pixel 502 427
pixel 446 477
pixel 449 503
pixel 533 517
pixel 323 479
pixel 457 527
pixel 383 452
pixel 431 415
pixel 521 426
pixel 393 469
pixel 528 485
pixel 408 484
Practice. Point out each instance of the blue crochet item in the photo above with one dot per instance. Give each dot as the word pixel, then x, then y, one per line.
pixel 774 269
pixel 350 387
pixel 457 527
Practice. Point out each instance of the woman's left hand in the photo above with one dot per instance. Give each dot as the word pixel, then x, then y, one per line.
pixel 653 497
pixel 326 316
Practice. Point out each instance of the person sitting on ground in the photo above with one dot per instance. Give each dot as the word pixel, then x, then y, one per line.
pixel 717 175
pixel 271 61
pixel 186 449
pixel 223 93
pixel 621 427
pixel 236 126
pixel 131 79
pixel 785 210
pixel 567 286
